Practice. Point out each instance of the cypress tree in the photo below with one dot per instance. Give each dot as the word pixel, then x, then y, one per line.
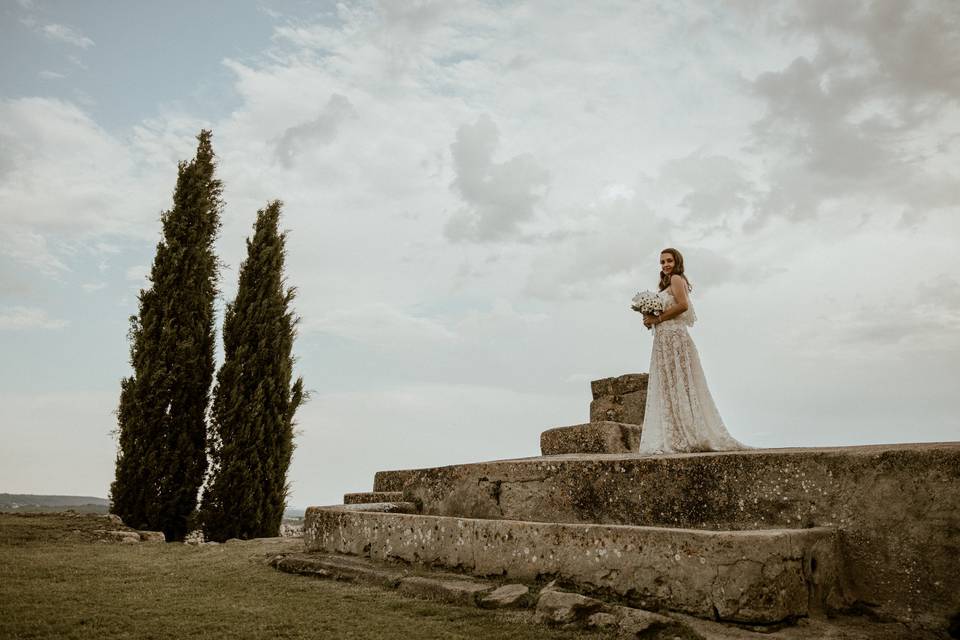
pixel 161 457
pixel 251 419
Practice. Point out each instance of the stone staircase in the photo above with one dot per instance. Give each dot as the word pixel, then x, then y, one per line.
pixel 758 537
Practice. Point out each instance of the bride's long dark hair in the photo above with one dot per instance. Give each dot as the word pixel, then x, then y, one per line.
pixel 677 269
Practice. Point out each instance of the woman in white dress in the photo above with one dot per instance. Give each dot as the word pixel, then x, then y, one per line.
pixel 681 416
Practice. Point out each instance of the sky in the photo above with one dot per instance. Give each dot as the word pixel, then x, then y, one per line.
pixel 473 193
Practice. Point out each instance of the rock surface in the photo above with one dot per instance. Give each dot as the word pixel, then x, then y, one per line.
pixel 621 399
pixel 635 622
pixel 509 595
pixel 378 507
pixel 123 537
pixel 625 622
pixel 745 576
pixel 339 568
pixel 365 497
pixel 593 437
pixel 462 592
pixel 152 536
pixel 897 507
pixel 560 607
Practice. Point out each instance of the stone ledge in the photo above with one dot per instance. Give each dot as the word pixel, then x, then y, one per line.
pixel 378 507
pixel 744 576
pixel 366 497
pixel 593 437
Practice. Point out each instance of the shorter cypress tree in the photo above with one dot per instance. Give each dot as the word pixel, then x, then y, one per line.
pixel 250 443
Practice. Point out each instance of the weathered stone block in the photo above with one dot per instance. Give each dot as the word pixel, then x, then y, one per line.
pixel 381 507
pixel 633 622
pixel 748 576
pixel 391 480
pixel 152 536
pixel 461 592
pixel 593 437
pixel 339 568
pixel 509 595
pixel 621 399
pixel 113 535
pixel 367 497
pixel 560 607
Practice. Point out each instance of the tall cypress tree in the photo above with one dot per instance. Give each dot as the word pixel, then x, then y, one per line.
pixel 251 421
pixel 161 459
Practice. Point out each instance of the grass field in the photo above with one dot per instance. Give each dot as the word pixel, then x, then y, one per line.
pixel 58 581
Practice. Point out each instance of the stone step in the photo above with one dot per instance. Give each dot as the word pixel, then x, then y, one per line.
pixel 375 507
pixel 339 567
pixel 553 606
pixel 758 577
pixel 364 497
pixel 392 480
pixel 897 507
pixel 593 437
pixel 433 585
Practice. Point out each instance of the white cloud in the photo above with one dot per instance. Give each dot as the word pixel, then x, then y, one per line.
pixel 380 325
pixel 137 273
pixel 24 318
pixel 77 62
pixel 90 287
pixel 710 189
pixel 31 249
pixel 69 35
pixel 320 131
pixel 499 196
pixel 51 75
pixel 864 119
pixel 99 191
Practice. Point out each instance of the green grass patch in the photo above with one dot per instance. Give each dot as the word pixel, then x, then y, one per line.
pixel 57 581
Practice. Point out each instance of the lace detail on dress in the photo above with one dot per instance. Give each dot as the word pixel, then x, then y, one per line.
pixel 681 415
pixel 688 318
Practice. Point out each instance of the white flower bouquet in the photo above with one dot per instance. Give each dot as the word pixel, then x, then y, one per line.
pixel 647 302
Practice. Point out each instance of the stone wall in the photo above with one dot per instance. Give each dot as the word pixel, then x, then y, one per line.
pixel 897 507
pixel 743 576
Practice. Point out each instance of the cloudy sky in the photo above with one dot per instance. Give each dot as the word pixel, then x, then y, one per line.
pixel 474 191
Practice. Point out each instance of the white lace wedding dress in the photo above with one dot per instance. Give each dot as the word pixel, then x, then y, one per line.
pixel 681 416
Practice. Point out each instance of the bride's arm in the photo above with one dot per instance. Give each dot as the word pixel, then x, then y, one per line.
pixel 678 287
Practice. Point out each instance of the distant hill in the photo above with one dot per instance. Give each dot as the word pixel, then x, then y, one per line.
pixel 30 503
pixel 29 499
pixel 292 513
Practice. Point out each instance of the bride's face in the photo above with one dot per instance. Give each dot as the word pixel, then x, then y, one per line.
pixel 666 263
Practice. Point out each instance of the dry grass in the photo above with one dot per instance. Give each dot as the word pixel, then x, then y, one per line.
pixel 56 581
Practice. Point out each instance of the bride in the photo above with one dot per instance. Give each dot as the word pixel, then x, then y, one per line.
pixel 680 416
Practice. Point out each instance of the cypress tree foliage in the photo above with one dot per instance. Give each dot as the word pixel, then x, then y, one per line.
pixel 251 421
pixel 161 458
